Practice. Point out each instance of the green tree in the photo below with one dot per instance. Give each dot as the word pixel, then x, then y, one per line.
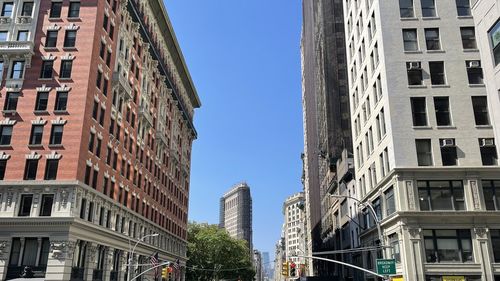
pixel 214 255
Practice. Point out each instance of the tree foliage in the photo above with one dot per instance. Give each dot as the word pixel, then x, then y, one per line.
pixel 214 255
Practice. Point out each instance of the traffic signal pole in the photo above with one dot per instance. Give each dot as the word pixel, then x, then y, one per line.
pixel 149 269
pixel 345 264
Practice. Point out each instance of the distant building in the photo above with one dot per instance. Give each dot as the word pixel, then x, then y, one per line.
pixel 292 227
pixel 266 264
pixel 236 213
pixel 279 258
pixel 257 262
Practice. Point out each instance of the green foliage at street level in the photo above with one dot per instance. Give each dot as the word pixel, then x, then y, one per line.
pixel 214 255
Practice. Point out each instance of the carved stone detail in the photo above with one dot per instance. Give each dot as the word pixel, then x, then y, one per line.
pixel 61 249
pixel 4 245
pixel 481 233
pixel 411 195
pixel 475 194
pixel 414 233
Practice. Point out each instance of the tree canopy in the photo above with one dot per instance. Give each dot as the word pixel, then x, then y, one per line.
pixel 214 255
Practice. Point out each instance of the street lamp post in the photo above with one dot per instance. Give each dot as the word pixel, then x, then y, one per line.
pixel 131 255
pixel 372 210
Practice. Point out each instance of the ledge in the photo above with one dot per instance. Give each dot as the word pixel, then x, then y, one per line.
pixel 440 86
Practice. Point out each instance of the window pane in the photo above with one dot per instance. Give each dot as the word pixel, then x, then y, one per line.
pixel 428 8
pixel 437 73
pixel 432 39
pixel 448 250
pixel 30 251
pixel 468 37
pixel 463 8
pixel 424 154
pixel 55 10
pixel 423 197
pixel 46 206
pixel 442 106
pixel 419 111
pixel 25 205
pixel 74 9
pixel 61 101
pixel 480 106
pixel 406 8
pixel 41 101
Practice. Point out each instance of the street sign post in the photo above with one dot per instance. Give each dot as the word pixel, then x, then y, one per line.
pixel 386 266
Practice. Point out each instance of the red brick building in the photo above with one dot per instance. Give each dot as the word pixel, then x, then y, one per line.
pixel 95 138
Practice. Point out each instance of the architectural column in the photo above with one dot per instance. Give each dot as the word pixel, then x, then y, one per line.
pixel 38 250
pixel 413 267
pixel 122 267
pixel 60 260
pixel 108 264
pixel 21 253
pixel 482 253
pixel 90 263
pixel 4 257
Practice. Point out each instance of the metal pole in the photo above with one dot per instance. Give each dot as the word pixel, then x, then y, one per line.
pixel 130 258
pixel 372 210
pixel 346 264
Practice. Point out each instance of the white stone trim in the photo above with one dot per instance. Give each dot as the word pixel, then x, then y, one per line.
pixel 100 68
pixel 96 98
pixel 43 88
pixel 63 88
pixel 4 156
pixel 72 26
pixel 53 27
pixel 93 130
pixel 48 57
pixel 89 162
pixel 96 167
pixel 68 56
pixel 103 104
pixel 53 155
pixel 99 135
pixel 39 121
pixel 33 156
pixel 7 121
pixel 59 121
pixel 106 174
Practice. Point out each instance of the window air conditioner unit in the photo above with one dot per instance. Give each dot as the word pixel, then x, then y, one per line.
pixel 414 65
pixel 447 143
pixel 473 64
pixel 487 142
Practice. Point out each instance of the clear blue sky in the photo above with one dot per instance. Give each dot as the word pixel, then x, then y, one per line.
pixel 244 58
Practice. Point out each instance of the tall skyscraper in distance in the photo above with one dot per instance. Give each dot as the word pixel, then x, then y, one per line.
pixel 424 148
pixel 236 213
pixel 95 138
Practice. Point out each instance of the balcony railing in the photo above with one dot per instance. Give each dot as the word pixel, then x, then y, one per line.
pixel 122 82
pixel 16 47
pixel 77 273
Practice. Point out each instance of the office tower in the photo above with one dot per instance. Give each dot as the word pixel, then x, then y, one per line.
pixel 96 134
pixel 424 149
pixel 327 128
pixel 293 232
pixel 236 213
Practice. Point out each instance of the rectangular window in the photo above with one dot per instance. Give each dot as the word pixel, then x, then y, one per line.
pixel 51 169
pixel 488 149
pixel 442 108
pixel 47 69
pixel 102 50
pixel 448 152
pixel 410 40
pixel 36 135
pixel 61 101
pixel 414 72
pixel 428 8
pixel 74 9
pixel 56 134
pixel 66 67
pixel 495 243
pixel 101 117
pixel 91 142
pixel 441 195
pixel 112 31
pixel 11 100
pixel 42 99
pixel 94 179
pixel 99 79
pixel 6 134
pixel 55 10
pixel 3 36
pixel 23 35
pixel 463 8
pixel 95 110
pixel 437 73
pixel 98 148
pixel 17 70
pixel 419 111
pixel 480 106
pixel 46 205
pixel 474 72
pixel 491 193
pixel 468 37
pixel 105 22
pixel 448 246
pixel 31 169
pixel 3 167
pixel 424 152
pixel 27 10
pixel 25 205
pixel 83 208
pixel 7 9
pixel 406 9
pixel 432 39
pixel 390 203
pixel 70 39
pixel 494 34
pixel 395 250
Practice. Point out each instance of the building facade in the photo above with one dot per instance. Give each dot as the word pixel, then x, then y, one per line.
pixel 96 133
pixel 486 15
pixel 293 231
pixel 236 213
pixel 257 263
pixel 326 114
pixel 424 146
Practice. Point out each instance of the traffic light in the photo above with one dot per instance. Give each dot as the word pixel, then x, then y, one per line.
pixel 293 269
pixel 169 271
pixel 164 273
pixel 284 269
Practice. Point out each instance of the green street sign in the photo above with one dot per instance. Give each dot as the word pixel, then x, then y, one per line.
pixel 386 267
